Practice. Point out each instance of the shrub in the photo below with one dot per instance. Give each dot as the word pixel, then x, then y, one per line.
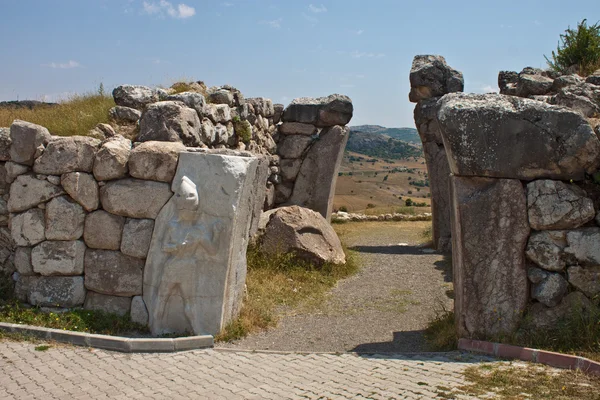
pixel 579 48
pixel 371 205
pixel 242 129
pixel 343 209
pixel 408 203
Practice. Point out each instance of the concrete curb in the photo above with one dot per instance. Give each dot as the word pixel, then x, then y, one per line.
pixel 550 358
pixel 113 343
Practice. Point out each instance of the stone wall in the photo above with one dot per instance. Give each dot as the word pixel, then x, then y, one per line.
pixel 525 200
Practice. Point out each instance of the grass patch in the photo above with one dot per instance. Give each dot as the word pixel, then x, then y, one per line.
pixel 441 332
pixel 74 320
pixel 42 347
pixel 427 234
pixel 74 116
pixel 529 381
pixel 280 282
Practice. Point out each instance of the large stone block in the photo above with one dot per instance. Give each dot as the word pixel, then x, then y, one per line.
pixel 26 140
pixel 64 219
pixel 293 146
pixel 510 137
pixel 585 279
pixel 546 249
pixel 56 291
pixel 191 99
pixel 135 96
pixel 139 313
pixel 550 290
pixel 170 121
pixel 439 182
pixel 103 230
pixel 430 76
pixel 258 192
pixel 58 258
pixel 217 113
pixel 297 128
pixel 323 111
pixel 83 188
pixel 584 246
pixel 67 154
pixel 23 261
pixel 108 304
pixel 125 115
pixel 111 159
pixel 490 231
pixel 196 268
pixel 28 228
pixel 575 303
pixel 137 235
pixel 27 191
pixel 113 273
pixel 155 161
pixel 262 106
pixel 5 144
pixel 315 183
pixel 556 205
pixel 134 198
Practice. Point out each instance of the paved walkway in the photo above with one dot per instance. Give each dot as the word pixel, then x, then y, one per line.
pixel 65 372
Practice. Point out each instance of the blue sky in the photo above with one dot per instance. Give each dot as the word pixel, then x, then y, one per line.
pixel 279 49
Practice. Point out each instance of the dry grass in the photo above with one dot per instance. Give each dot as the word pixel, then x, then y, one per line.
pixel 75 116
pixel 278 283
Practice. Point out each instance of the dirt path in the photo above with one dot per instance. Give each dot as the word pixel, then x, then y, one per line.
pixel 383 308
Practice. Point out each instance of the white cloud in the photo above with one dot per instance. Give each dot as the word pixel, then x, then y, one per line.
pixel 275 24
pixel 317 9
pixel 309 18
pixel 68 65
pixel 182 11
pixel 360 32
pixel 487 89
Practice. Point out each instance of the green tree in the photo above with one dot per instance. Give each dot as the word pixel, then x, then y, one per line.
pixel 578 48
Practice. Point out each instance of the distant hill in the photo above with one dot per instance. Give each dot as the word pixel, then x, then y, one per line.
pixel 381 146
pixel 30 104
pixel 409 135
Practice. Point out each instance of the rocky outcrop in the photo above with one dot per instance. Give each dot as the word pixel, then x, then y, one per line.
pixel 170 121
pixel 323 111
pixel 430 76
pixel 135 96
pixel 27 139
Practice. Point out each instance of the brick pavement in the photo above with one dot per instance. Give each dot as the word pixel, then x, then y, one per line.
pixel 67 372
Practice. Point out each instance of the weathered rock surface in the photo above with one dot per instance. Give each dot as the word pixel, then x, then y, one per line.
pixel 430 76
pixel 109 304
pixel 82 188
pixel 139 313
pixel 594 78
pixel 5 144
pixel 13 170
pixel 499 136
pixel 439 175
pixel 564 81
pixel 103 230
pixel 135 96
pixel 531 85
pixel 111 159
pixel 290 168
pixel 28 228
pixel 113 273
pixel 193 100
pixel 170 121
pixel 583 244
pixel 156 161
pixel 293 146
pixel 303 231
pixel 58 258
pixel 583 98
pixel 134 198
pixel 323 111
pixel 546 249
pixel 262 106
pixel 26 138
pixel 556 205
pixel 56 291
pixel 217 113
pixel 102 132
pixel 488 253
pixel 23 261
pixel 67 154
pixel 124 114
pixel 27 192
pixel 199 245
pixel 221 96
pixel 550 290
pixel 64 219
pixel 315 183
pixel 137 235
pixel 575 303
pixel 585 279
pixel 297 128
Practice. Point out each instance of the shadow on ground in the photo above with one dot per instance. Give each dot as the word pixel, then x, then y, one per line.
pixel 402 342
pixel 394 249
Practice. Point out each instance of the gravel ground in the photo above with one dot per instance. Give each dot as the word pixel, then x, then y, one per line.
pixel 383 308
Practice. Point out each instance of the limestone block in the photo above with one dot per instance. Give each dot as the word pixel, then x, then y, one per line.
pixel 113 273
pixel 585 279
pixel 13 170
pixel 83 188
pixel 323 111
pixel 58 258
pixel 258 192
pixel 430 76
pixel 109 304
pixel 191 99
pixel 137 235
pixel 155 161
pixel 531 85
pixel 315 184
pixel 5 143
pixel 135 96
pixel 550 290
pixel 546 249
pixel 23 261
pixel 139 313
pixel 290 168
pixel 575 303
pixel 67 154
pixel 303 231
pixel 56 291
pixel 102 132
pixel 26 138
pixel 283 192
pixel 103 230
pixel 278 112
pixel 293 146
pixel 490 231
pixel 297 128
pixel 123 114
pixel 27 191
pixel 28 228
pixel 111 159
pixel 499 136
pixel 134 198
pixel 262 106
pixel 170 121
pixel 217 113
pixel 556 205
pixel 64 219
pixel 221 96
pixel 582 98
pixel 583 246
pixel 208 133
pixel 196 267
